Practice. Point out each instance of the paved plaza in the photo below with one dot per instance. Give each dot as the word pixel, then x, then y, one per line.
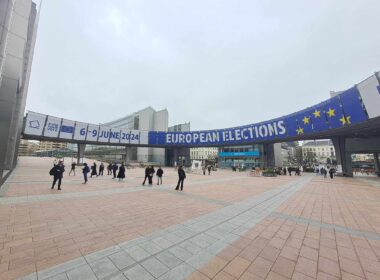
pixel 223 226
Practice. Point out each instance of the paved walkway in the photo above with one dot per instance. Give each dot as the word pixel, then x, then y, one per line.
pixel 224 226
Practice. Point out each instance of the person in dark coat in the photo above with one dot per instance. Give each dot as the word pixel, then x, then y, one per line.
pixel 109 169
pixel 57 172
pixel 114 170
pixel 159 174
pixel 85 171
pixel 93 170
pixel 181 178
pixel 284 170
pixel 151 174
pixel 121 174
pixel 332 171
pixel 290 171
pixel 147 171
pixel 101 169
pixel 209 169
pixel 73 164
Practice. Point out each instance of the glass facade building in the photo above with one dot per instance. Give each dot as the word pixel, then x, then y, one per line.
pixel 241 156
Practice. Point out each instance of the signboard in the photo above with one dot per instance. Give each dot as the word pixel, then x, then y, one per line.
pixel 52 127
pixel 240 154
pixel 134 138
pixel 124 136
pixel 115 135
pixel 92 132
pixel 34 124
pixel 80 131
pixel 104 134
pixel 67 129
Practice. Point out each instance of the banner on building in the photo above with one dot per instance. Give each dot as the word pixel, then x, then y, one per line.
pixel 34 124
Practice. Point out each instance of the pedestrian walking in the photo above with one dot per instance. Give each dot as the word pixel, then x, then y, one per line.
pixel 93 170
pixel 147 170
pixel 159 174
pixel 290 171
pixel 209 169
pixel 204 169
pixel 73 164
pixel 114 169
pixel 101 169
pixel 332 171
pixel 85 171
pixel 151 174
pixel 181 177
pixel 57 172
pixel 121 174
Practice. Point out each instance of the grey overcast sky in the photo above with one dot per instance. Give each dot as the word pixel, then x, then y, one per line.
pixel 215 63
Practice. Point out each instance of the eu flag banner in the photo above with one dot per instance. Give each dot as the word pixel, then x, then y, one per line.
pixel 291 125
pixel 305 124
pixel 334 113
pixel 318 117
pixel 352 107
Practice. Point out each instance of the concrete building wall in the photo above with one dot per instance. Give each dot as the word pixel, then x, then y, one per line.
pixel 17 37
pixel 160 123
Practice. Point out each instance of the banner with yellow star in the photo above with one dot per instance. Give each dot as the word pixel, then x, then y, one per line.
pixel 352 106
pixel 334 112
pixel 318 117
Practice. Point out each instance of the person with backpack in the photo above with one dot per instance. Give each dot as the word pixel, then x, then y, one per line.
pixel 57 172
pixel 159 174
pixel 85 171
pixel 181 178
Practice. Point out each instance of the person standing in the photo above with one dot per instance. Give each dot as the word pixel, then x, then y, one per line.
pixel 114 170
pixel 85 171
pixel 101 169
pixel 209 169
pixel 121 174
pixel 159 173
pixel 147 170
pixel 181 177
pixel 332 171
pixel 93 170
pixel 109 169
pixel 151 174
pixel 57 172
pixel 204 169
pixel 73 164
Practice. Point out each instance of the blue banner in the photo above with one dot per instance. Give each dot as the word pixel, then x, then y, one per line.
pixel 334 113
pixel 353 108
pixel 240 154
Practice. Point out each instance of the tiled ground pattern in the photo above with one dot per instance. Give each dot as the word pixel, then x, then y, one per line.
pixel 35 235
pixel 327 230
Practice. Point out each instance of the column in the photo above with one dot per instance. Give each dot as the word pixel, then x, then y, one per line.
pixel 80 153
pixel 343 157
pixel 377 165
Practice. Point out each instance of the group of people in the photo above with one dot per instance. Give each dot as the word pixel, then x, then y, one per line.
pixel 59 168
pixel 324 170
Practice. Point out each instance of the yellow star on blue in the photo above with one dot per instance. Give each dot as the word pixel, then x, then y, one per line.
pixel 299 130
pixel 306 120
pixel 345 120
pixel 331 112
pixel 317 113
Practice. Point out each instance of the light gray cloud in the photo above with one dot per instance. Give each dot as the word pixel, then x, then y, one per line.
pixel 213 63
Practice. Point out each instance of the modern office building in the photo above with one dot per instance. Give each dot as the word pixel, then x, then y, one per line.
pixel 18 26
pixel 27 148
pixel 145 119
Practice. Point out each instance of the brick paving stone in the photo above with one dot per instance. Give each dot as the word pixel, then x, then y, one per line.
pixel 284 267
pixel 324 229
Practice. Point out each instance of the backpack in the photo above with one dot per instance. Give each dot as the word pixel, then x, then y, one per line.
pixel 51 172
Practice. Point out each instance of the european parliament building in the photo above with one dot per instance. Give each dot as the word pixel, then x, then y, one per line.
pixel 18 25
